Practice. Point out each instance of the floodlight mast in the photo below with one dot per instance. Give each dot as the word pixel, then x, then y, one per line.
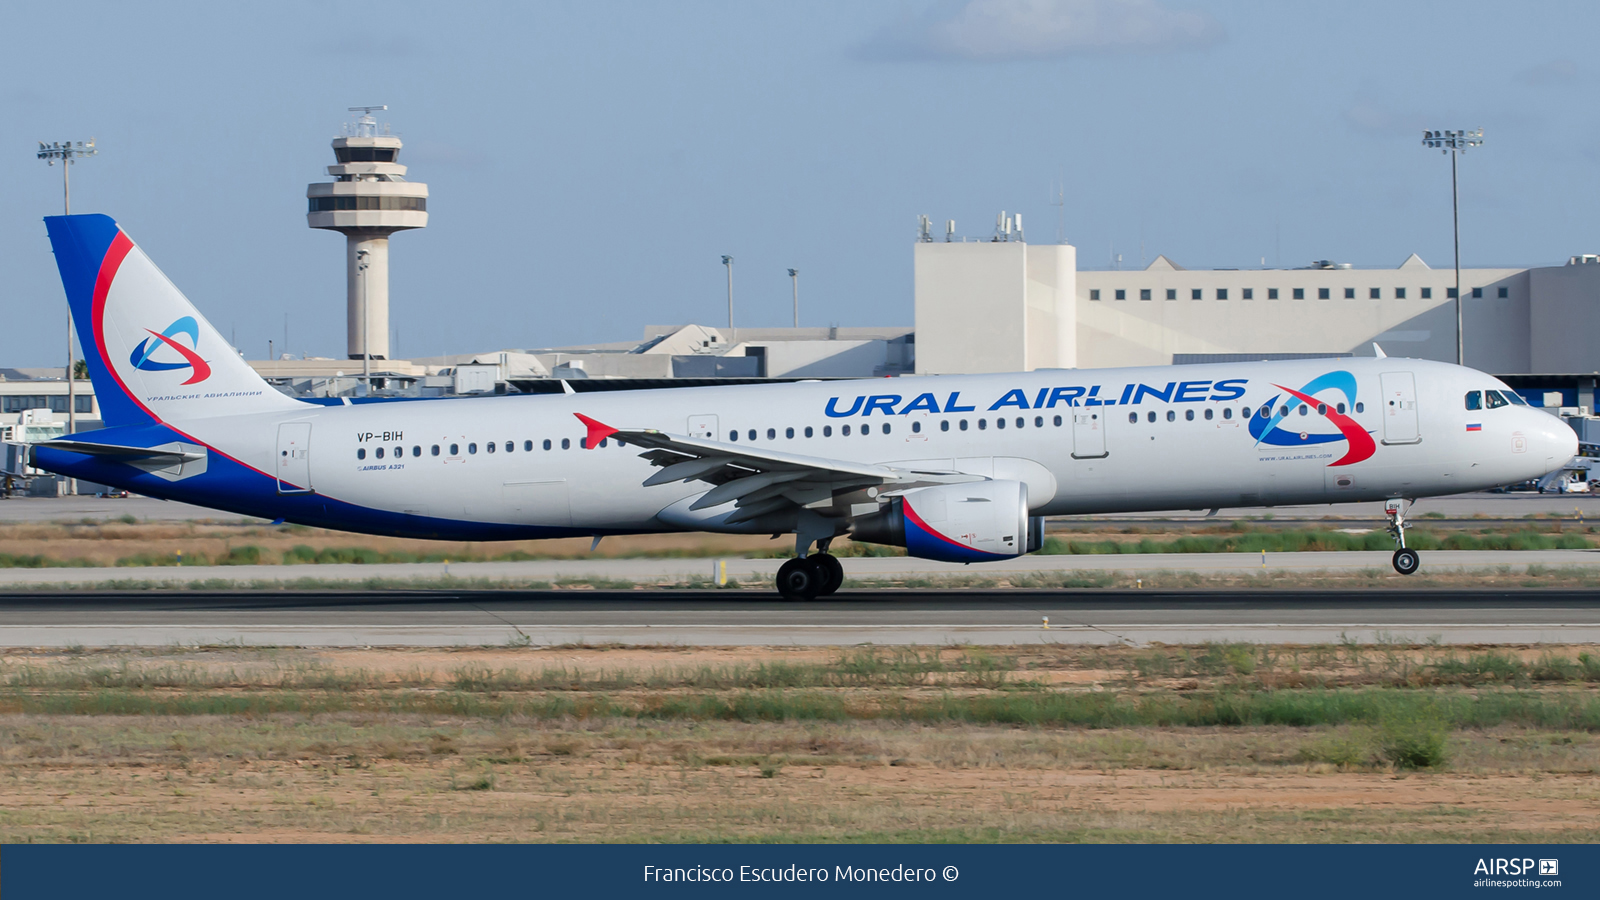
pixel 68 152
pixel 1455 143
pixel 728 262
pixel 794 276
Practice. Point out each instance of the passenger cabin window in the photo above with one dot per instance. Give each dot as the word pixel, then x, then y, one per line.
pixel 547 443
pixel 733 435
pixel 528 446
pixel 435 450
pixel 510 446
pixel 1494 401
pixel 378 453
pixel 1360 407
pixel 1021 422
pixel 788 432
pixel 983 424
pixel 1188 415
pixel 472 448
pixel 1340 408
pixel 1000 423
pixel 1038 421
pixel 1150 416
pixel 489 446
pixel 844 430
pixel 566 443
pixel 944 425
pixel 916 427
pixel 361 453
pixel 808 431
pixel 1474 400
pixel 1171 416
pixel 866 429
pixel 455 449
pixel 1132 418
pixel 1227 413
pixel 1208 415
pixel 827 431
pixel 1058 421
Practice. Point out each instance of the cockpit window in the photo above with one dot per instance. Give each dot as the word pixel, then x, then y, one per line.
pixel 1515 398
pixel 1474 400
pixel 1495 400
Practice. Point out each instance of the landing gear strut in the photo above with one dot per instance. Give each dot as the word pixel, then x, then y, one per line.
pixel 1406 561
pixel 810 577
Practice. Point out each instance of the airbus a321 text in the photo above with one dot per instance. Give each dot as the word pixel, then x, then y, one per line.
pixel 955 468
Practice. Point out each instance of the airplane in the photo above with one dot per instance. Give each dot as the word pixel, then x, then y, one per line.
pixel 961 469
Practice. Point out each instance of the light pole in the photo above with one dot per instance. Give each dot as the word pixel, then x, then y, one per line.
pixel 1455 143
pixel 794 276
pixel 68 152
pixel 728 262
pixel 366 320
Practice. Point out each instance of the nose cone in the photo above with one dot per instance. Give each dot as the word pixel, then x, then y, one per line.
pixel 1551 442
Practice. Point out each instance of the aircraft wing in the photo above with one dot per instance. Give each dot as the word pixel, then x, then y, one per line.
pixel 759 480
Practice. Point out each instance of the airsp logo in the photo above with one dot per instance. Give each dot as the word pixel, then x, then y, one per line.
pixel 1549 867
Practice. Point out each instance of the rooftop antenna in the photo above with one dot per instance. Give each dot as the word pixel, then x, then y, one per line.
pixel 924 230
pixel 365 124
pixel 949 230
pixel 1059 201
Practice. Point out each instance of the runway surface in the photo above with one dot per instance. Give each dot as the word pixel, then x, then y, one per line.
pixel 865 569
pixel 1455 507
pixel 734 618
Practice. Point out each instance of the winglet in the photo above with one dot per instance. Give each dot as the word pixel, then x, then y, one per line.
pixel 1378 351
pixel 598 431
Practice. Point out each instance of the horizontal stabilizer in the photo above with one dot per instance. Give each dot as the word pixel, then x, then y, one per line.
pixel 118 452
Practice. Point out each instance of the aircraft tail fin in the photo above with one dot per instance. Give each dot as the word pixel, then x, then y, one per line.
pixel 152 357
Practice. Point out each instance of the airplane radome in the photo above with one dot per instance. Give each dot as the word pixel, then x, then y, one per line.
pixel 955 468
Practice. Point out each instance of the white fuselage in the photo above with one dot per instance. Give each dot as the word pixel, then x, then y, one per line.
pixel 1084 441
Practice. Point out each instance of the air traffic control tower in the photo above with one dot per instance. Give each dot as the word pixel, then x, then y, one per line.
pixel 369 200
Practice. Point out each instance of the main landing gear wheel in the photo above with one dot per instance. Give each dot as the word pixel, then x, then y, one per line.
pixel 1406 561
pixel 832 572
pixel 800 579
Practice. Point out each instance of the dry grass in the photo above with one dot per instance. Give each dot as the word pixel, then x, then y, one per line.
pixel 435 747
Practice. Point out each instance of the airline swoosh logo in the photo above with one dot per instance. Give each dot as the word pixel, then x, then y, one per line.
pixel 200 370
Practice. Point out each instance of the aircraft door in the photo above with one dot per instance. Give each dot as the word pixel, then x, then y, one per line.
pixel 1088 434
pixel 294 458
pixel 703 427
pixel 1399 408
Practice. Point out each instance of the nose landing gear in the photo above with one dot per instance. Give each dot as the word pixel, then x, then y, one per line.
pixel 810 577
pixel 1406 561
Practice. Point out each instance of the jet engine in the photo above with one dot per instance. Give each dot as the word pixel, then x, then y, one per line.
pixel 978 521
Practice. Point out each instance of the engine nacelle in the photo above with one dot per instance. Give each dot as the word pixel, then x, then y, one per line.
pixel 979 521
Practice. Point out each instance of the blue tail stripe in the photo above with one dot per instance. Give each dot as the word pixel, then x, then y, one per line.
pixel 80 244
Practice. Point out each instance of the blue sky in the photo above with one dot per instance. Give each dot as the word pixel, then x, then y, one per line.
pixel 589 163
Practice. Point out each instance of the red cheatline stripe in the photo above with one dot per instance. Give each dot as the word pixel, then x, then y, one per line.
pixel 1361 444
